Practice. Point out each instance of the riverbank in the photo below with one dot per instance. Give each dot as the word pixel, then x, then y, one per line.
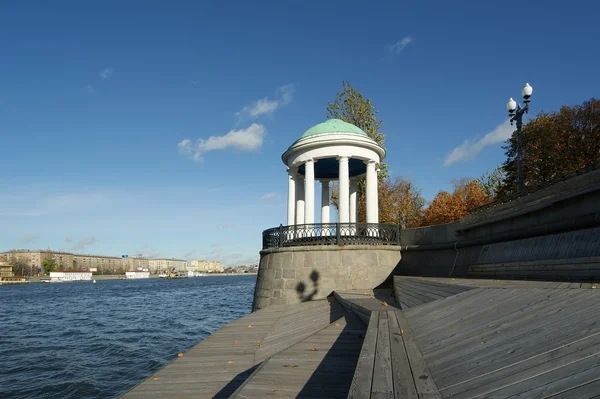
pixel 101 277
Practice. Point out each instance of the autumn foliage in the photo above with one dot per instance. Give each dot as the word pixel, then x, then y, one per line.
pixel 554 145
pixel 448 208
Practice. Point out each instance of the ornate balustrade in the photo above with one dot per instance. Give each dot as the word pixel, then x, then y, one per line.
pixel 332 234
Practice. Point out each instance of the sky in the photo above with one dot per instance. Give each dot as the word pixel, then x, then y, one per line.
pixel 157 128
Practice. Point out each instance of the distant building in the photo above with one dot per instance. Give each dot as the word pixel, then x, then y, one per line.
pixel 5 269
pixel 206 266
pixel 159 265
pixel 7 276
pixel 71 275
pixel 137 274
pixel 31 262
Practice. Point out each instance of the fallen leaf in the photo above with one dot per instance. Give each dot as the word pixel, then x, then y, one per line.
pixel 258 341
pixel 234 341
pixel 272 330
pixel 156 379
pixel 260 346
pixel 314 349
pixel 337 324
pixel 180 355
pixel 401 332
pixel 249 325
pixel 290 365
pixel 384 303
pixel 229 362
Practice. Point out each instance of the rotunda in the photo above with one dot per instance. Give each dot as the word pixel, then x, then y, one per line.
pixel 332 150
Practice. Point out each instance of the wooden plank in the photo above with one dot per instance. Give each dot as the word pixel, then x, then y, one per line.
pixel 523 330
pixel 422 377
pixel 510 375
pixel 363 375
pixel 555 381
pixel 247 380
pixel 404 384
pixel 587 390
pixel 506 363
pixel 443 286
pixel 383 385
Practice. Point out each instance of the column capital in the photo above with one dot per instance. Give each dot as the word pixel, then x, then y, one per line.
pixel 371 162
pixel 342 157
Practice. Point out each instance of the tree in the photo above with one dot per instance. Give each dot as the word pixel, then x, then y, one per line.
pixel 350 106
pixel 400 202
pixel 555 144
pixel 48 265
pixel 491 182
pixel 448 208
pixel 20 266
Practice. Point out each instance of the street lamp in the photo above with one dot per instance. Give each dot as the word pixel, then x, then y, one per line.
pixel 515 111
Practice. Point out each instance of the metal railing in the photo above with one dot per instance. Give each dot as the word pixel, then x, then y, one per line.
pixel 332 234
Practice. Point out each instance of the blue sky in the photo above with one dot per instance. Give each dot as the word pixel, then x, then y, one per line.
pixel 97 100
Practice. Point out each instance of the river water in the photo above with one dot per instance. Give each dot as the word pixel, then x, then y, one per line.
pixel 84 340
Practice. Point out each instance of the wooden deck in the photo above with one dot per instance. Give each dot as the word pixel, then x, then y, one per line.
pixel 429 338
pixel 503 339
pixel 279 340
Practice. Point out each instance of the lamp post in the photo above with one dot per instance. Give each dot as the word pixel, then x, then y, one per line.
pixel 515 111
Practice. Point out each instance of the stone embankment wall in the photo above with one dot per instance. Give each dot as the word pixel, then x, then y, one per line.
pixel 552 234
pixel 297 274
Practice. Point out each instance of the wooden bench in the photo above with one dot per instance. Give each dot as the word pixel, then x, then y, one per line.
pixel 390 364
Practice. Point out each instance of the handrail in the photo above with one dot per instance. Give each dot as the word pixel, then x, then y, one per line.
pixel 331 234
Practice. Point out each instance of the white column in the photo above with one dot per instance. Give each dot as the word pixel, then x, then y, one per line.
pixel 299 200
pixel 309 192
pixel 291 210
pixel 372 200
pixel 324 201
pixel 344 200
pixel 353 207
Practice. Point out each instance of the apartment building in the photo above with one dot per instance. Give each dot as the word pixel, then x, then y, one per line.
pixel 206 266
pixel 159 265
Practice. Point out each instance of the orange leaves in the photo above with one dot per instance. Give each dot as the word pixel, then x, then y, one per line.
pixel 448 208
pixel 314 349
pixel 180 355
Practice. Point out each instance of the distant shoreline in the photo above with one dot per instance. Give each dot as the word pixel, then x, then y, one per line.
pixel 101 277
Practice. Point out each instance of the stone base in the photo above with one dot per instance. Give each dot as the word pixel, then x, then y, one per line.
pixel 299 274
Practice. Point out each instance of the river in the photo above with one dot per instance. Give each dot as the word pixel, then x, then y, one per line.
pixel 84 340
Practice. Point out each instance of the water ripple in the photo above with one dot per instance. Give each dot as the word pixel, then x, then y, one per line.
pixel 83 340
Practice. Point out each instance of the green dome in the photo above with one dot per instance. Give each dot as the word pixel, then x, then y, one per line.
pixel 332 126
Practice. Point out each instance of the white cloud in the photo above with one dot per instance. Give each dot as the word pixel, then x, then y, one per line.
pixel 401 44
pixel 249 139
pixel 29 238
pixel 470 148
pixel 84 242
pixel 106 73
pixel 286 93
pixel 265 106
pixel 89 89
pixel 269 195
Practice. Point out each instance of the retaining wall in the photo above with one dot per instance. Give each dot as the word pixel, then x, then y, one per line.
pixel 298 274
